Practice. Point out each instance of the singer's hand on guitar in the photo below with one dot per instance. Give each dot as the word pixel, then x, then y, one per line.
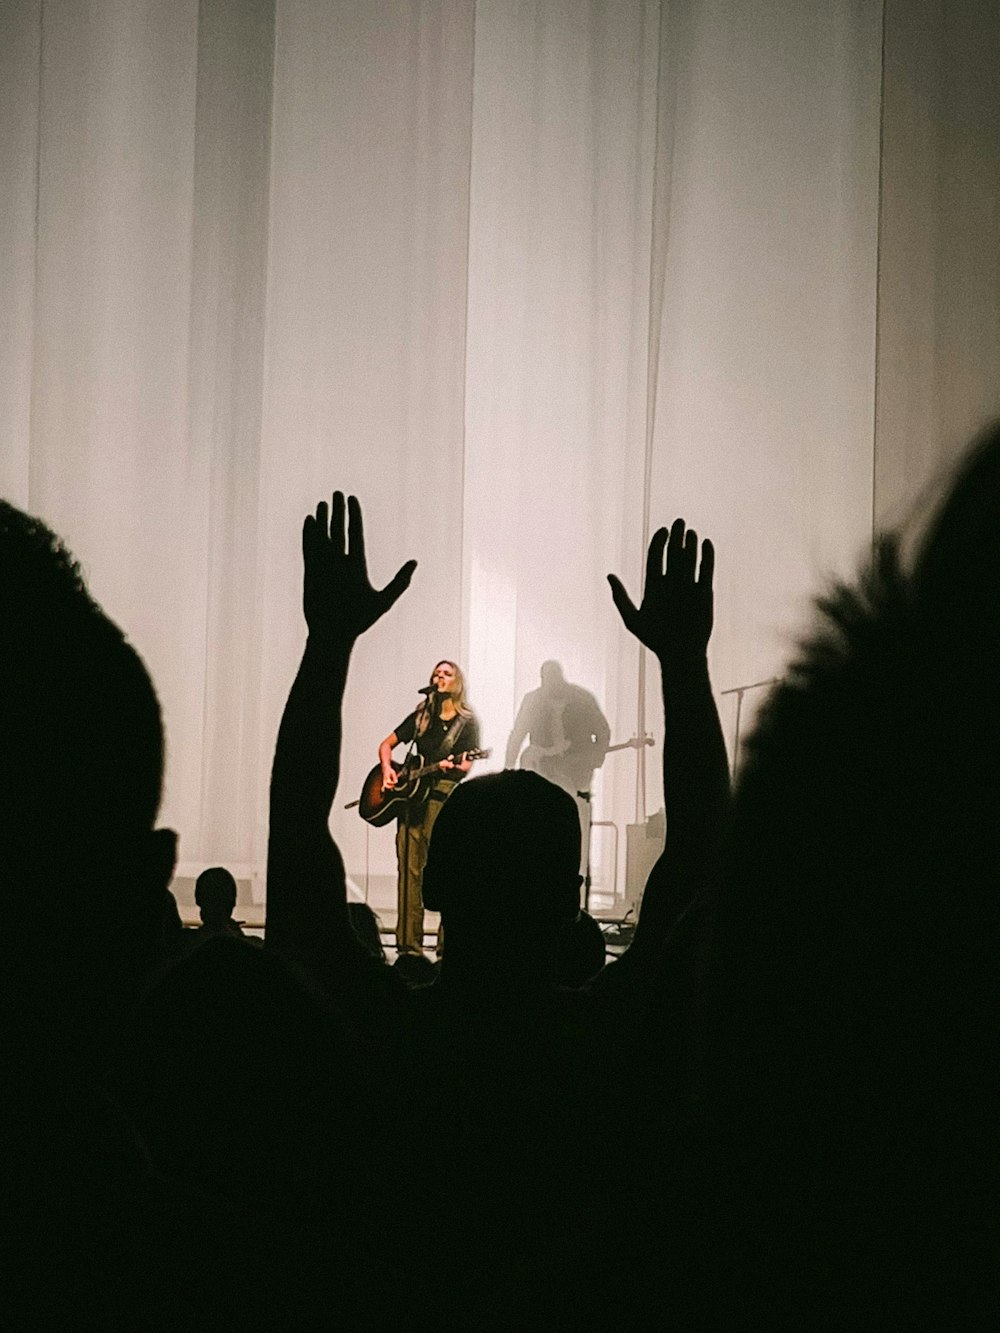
pixel 389 779
pixel 674 619
pixel 338 598
pixel 445 764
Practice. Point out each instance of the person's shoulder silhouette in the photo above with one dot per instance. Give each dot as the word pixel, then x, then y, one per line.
pixel 857 926
pixel 81 761
pixel 86 912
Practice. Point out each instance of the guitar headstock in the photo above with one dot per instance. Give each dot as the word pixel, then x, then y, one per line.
pixel 477 754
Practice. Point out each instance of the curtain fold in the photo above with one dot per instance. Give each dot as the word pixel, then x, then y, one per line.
pixel 763 432
pixel 563 151
pixel 112 464
pixel 365 344
pixel 230 234
pixel 939 278
pixel 20 98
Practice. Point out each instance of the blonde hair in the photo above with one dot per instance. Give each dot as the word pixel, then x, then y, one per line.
pixel 457 697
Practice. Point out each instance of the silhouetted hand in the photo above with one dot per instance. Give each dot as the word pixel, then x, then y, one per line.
pixel 675 617
pixel 338 599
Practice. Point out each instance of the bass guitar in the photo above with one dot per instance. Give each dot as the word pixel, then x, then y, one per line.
pixel 379 804
pixel 570 766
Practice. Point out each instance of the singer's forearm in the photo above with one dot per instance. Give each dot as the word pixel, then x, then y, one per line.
pixel 385 753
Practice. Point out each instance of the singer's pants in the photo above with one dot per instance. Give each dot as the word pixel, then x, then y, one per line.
pixel 412 842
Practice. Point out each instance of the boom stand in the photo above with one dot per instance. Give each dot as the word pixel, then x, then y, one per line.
pixel 404 869
pixel 739 691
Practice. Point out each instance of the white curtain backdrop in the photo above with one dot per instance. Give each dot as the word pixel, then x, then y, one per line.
pixel 763 429
pixel 519 273
pixel 939 276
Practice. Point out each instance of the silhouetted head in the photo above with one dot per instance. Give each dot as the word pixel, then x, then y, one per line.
pixel 551 675
pixel 81 756
pixel 864 830
pixel 215 894
pixel 581 950
pixel 416 969
pixel 504 861
pixel 365 925
pixel 223 1075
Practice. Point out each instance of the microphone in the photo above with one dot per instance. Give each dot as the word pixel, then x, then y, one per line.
pixel 428 689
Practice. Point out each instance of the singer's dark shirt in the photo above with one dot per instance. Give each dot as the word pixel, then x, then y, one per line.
pixel 431 745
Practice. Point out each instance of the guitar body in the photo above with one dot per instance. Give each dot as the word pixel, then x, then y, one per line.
pixel 379 807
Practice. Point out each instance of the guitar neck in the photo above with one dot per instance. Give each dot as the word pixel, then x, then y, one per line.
pixel 432 768
pixel 423 771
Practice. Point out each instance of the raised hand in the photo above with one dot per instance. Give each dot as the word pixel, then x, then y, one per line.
pixel 338 599
pixel 675 617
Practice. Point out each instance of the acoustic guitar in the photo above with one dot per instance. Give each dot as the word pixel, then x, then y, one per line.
pixel 379 804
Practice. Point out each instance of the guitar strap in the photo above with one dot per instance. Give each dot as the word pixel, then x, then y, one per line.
pixel 443 783
pixel 452 734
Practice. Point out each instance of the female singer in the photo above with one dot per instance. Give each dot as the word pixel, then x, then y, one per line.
pixel 445 728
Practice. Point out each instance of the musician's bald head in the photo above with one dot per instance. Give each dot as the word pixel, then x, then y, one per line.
pixel 506 843
pixel 551 674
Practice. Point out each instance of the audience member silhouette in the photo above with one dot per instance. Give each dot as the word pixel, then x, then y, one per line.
pixel 416 969
pixel 225 1084
pixel 215 897
pixel 94 1237
pixel 307 911
pixel 581 951
pixel 98 1236
pixel 799 1039
pixel 368 928
pixel 489 1051
pixel 857 935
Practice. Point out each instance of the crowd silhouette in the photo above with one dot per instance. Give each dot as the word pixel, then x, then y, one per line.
pixel 775 1110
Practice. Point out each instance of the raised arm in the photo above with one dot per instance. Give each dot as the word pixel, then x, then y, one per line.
pixel 674 621
pixel 306 895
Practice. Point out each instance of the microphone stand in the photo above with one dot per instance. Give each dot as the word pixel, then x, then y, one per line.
pixel 587 798
pixel 739 691
pixel 404 879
